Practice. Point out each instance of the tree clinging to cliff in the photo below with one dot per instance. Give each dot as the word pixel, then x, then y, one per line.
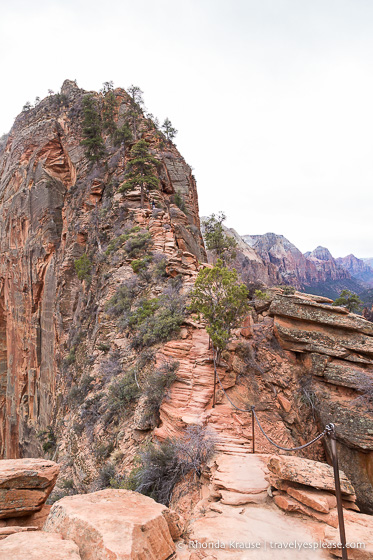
pixel 93 142
pixel 168 130
pixel 222 245
pixel 141 170
pixel 349 300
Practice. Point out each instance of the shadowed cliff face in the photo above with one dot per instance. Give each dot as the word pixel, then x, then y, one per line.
pixel 51 212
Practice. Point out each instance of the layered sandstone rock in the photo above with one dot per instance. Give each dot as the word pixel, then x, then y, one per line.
pixel 37 545
pixel 114 524
pixel 25 484
pixel 336 348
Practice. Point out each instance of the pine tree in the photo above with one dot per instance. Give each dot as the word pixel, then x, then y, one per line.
pixel 93 142
pixel 109 108
pixel 135 110
pixel 168 130
pixel 222 245
pixel 141 169
pixel 349 300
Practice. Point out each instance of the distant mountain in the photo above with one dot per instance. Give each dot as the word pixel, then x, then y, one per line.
pixel 358 268
pixel 316 272
pixel 368 261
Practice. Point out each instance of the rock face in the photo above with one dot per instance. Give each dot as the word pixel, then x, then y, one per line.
pixel 37 545
pixel 113 524
pixel 25 484
pixel 357 268
pixel 336 349
pixel 55 206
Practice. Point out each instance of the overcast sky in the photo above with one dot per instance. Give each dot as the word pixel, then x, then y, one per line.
pixel 273 99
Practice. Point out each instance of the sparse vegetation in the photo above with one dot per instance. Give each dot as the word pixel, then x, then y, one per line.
pixel 179 201
pixel 223 246
pixel 288 290
pixel 83 266
pixel 92 139
pixel 157 385
pixel 141 170
pixel 162 465
pixel 121 392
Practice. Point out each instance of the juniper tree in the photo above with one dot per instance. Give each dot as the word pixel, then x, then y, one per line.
pixel 141 169
pixel 349 300
pixel 168 130
pixel 93 142
pixel 222 245
pixel 222 301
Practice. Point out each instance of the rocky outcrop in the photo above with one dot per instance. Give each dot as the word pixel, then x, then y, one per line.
pixel 33 546
pixel 336 349
pixel 114 524
pixel 25 484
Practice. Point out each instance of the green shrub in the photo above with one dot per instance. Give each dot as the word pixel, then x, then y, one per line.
pixel 78 393
pixel 288 290
pixel 138 244
pixel 139 265
pixel 106 473
pixel 179 201
pixel 159 327
pixel 122 391
pixel 83 267
pixel 261 295
pixel 157 385
pixel 103 346
pixel 123 299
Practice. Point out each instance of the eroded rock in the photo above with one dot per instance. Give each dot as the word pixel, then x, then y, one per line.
pixel 114 525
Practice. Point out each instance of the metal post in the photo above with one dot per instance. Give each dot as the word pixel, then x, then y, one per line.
pixel 253 427
pixel 333 445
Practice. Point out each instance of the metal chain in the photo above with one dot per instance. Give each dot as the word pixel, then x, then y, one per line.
pixel 252 409
pixel 288 448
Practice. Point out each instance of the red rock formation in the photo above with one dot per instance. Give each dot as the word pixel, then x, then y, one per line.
pixel 51 212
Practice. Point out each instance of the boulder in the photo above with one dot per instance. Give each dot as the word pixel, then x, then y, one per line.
pixel 25 484
pixel 36 546
pixel 308 472
pixel 114 525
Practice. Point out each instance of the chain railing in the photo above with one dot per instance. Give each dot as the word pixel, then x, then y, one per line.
pixel 329 432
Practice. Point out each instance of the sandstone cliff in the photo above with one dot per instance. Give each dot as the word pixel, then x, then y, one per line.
pixel 55 206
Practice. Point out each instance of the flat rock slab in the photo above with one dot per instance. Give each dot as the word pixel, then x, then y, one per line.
pixel 25 484
pixel 264 529
pixel 113 525
pixel 244 474
pixel 38 546
pixel 308 472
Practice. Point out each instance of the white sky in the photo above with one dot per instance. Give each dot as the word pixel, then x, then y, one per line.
pixel 273 99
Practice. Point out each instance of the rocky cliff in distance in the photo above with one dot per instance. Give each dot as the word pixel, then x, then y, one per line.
pixel 358 268
pixel 315 272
